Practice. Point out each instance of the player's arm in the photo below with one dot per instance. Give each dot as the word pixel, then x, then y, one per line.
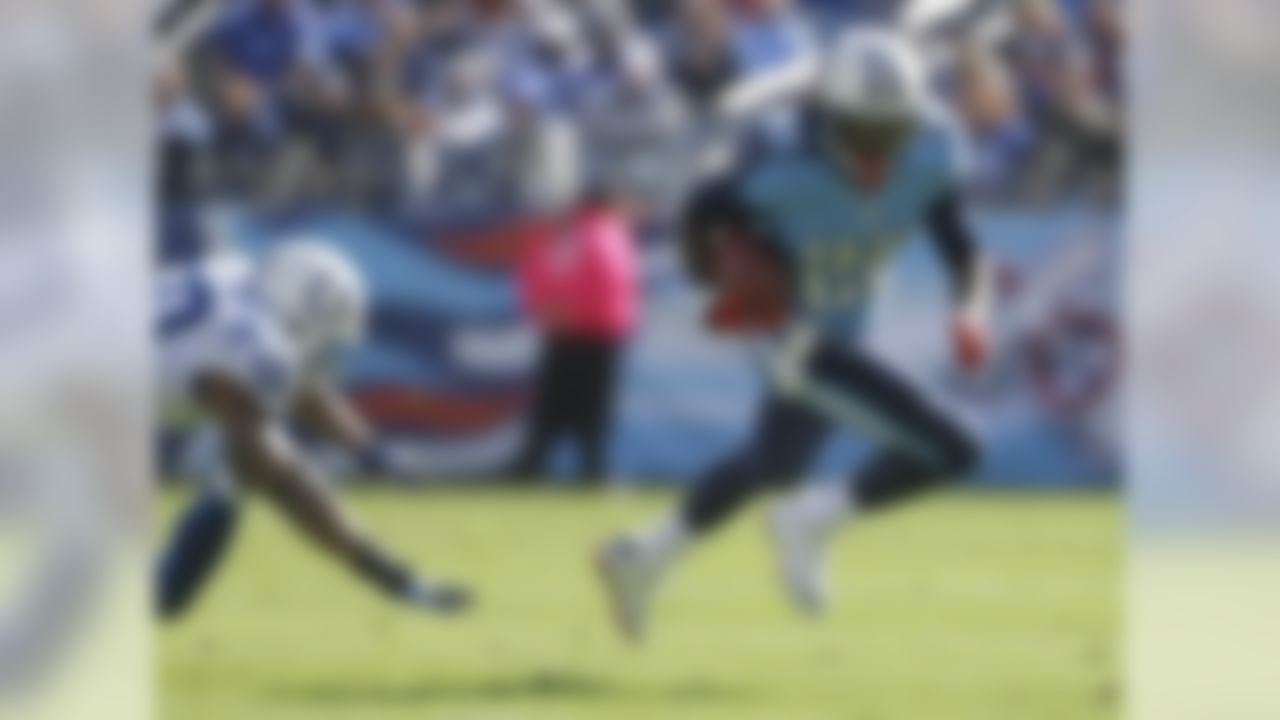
pixel 727 251
pixel 958 247
pixel 325 410
pixel 265 456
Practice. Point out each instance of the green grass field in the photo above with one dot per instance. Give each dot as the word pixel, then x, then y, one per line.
pixel 970 606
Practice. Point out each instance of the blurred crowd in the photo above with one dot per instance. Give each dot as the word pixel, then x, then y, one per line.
pixel 464 108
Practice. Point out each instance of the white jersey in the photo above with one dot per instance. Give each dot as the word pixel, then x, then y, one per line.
pixel 210 320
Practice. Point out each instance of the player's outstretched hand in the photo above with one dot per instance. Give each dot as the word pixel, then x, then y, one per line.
pixel 970 341
pixel 440 597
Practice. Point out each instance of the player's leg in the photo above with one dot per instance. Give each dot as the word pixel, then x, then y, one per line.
pixel 318 514
pixel 202 535
pixel 786 437
pixel 782 446
pixel 923 445
pixel 921 448
pixel 197 544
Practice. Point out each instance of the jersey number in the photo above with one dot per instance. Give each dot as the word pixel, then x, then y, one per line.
pixel 836 274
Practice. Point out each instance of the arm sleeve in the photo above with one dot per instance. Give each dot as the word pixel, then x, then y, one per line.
pixel 717 208
pixel 956 243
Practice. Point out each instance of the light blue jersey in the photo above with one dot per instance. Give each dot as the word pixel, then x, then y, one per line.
pixel 840 236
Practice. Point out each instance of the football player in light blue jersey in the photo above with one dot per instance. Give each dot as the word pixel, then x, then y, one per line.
pixel 790 247
pixel 243 351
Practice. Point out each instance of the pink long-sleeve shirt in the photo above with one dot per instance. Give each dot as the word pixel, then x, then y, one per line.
pixel 578 274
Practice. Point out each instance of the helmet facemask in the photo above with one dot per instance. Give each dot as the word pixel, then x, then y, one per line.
pixel 319 299
pixel 865 146
pixel 870 98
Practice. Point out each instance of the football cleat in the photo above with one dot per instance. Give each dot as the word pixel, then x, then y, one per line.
pixel 801 534
pixel 630 576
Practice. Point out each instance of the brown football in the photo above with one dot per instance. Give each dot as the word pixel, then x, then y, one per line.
pixel 752 289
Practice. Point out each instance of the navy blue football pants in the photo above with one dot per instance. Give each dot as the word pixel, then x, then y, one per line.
pixel 920 446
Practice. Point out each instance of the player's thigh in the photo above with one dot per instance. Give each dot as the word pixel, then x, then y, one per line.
pixel 864 393
pixel 787 436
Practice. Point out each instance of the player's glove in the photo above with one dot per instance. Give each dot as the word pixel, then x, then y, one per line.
pixel 970 341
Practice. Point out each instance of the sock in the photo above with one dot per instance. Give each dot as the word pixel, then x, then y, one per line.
pixel 826 505
pixel 199 541
pixel 665 540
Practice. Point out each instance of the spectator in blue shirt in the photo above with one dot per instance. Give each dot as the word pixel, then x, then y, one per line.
pixel 276 84
pixel 268 39
pixel 770 33
pixel 700 50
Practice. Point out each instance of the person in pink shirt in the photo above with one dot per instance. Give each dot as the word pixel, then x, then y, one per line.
pixel 579 282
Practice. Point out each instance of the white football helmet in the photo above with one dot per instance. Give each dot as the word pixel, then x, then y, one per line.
pixel 318 296
pixel 873 74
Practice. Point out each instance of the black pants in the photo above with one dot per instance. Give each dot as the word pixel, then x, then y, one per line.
pixel 920 446
pixel 573 400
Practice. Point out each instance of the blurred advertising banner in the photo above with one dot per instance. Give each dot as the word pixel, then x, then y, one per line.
pixel 447 374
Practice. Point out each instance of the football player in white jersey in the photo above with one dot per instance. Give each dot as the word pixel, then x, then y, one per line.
pixel 244 350
pixel 790 247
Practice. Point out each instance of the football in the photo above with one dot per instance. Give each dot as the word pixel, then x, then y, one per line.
pixel 751 287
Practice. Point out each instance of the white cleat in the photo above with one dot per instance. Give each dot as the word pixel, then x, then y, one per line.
pixel 800 538
pixel 630 576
